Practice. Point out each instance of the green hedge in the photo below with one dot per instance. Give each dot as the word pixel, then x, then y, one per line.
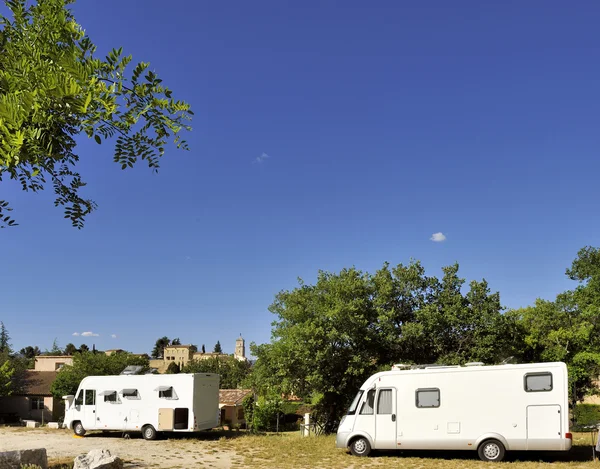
pixel 586 414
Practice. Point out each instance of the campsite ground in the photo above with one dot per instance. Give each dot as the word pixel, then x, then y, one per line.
pixel 239 450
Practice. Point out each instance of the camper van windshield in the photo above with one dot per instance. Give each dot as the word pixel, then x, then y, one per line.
pixel 354 405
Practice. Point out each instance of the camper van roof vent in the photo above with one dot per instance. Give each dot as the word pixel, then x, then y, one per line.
pixel 132 370
pixel 441 366
pixel 400 366
pixel 475 364
pixel 422 367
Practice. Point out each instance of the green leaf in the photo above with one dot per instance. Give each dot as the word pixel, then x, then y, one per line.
pixel 98 140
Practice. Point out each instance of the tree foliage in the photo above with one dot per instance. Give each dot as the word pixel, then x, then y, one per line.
pixel 30 351
pixel 159 347
pixel 92 364
pixel 568 328
pixel 173 369
pixel 53 88
pixel 7 372
pixel 232 372
pixel 4 340
pixel 218 348
pixel 329 337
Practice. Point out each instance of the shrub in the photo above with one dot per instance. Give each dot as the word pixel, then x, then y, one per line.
pixel 586 414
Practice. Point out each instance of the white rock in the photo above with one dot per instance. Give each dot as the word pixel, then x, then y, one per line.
pixel 31 424
pixel 98 459
pixel 53 425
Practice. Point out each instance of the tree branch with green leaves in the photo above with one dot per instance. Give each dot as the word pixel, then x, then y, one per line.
pixel 53 88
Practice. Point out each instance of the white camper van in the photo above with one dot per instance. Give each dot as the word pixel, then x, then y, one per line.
pixel 491 409
pixel 147 403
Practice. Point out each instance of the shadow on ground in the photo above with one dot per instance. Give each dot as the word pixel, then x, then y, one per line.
pixel 576 454
pixel 203 436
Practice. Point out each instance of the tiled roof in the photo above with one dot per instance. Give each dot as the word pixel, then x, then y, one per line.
pixel 232 396
pixel 37 383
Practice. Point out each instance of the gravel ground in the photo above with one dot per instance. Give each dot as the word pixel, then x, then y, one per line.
pixel 180 451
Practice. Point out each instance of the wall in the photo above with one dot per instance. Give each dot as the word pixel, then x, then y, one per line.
pixel 53 408
pixel 48 363
pixel 230 415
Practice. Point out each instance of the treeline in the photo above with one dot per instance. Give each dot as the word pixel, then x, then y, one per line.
pixel 330 336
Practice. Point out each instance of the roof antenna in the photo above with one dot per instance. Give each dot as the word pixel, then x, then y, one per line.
pixel 506 360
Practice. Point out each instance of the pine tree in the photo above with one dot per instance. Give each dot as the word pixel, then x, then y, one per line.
pixel 4 340
pixel 218 348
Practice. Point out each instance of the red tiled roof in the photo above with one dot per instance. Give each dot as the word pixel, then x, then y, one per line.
pixel 232 396
pixel 37 383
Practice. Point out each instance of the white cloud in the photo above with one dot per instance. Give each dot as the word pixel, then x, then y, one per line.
pixel 89 334
pixel 75 333
pixel 114 336
pixel 438 237
pixel 261 158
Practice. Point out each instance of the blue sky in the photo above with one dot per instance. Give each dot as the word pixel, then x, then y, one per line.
pixel 383 123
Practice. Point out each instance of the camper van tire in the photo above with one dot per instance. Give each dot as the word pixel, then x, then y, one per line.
pixel 148 432
pixel 78 429
pixel 360 446
pixel 491 450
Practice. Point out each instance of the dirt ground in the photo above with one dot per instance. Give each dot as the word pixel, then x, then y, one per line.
pixel 181 451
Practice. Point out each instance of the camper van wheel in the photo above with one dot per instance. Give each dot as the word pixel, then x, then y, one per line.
pixel 149 433
pixel 78 429
pixel 360 447
pixel 491 450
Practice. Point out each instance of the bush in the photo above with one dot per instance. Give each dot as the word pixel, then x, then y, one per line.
pixel 586 414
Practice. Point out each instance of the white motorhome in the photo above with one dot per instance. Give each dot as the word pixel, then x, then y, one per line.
pixel 491 409
pixel 148 403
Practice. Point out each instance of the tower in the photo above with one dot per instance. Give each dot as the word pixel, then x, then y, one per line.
pixel 240 348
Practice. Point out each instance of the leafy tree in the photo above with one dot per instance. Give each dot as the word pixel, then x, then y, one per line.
pixel 55 350
pixel 70 349
pixel 92 364
pixel 568 329
pixel 217 348
pixel 4 340
pixel 54 88
pixel 30 352
pixel 84 348
pixel 159 348
pixel 176 341
pixel 173 369
pixel 329 337
pixel 232 372
pixel 7 372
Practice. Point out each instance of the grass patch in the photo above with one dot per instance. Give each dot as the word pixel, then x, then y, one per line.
pixel 289 450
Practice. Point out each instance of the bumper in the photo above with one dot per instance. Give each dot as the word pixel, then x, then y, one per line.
pixel 341 439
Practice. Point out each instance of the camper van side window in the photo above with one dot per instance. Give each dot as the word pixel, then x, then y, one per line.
pixel 111 397
pixel 538 382
pixel 166 393
pixel 131 394
pixel 90 397
pixel 369 404
pixel 427 398
pixel 384 402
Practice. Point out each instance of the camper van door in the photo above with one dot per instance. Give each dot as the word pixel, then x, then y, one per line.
pixel 89 409
pixel 385 418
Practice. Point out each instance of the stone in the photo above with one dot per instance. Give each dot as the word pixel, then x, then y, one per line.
pixel 97 459
pixel 53 425
pixel 15 459
pixel 31 424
